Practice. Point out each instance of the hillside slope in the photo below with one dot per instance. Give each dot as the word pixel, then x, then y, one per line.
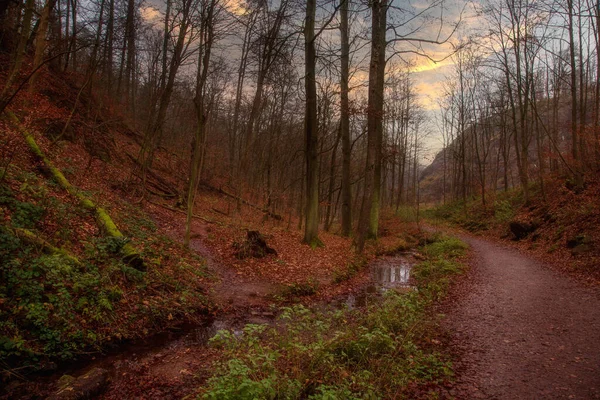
pixel 65 289
pixel 562 228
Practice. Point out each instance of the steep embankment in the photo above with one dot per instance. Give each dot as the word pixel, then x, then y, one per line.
pixel 66 288
pixel 559 225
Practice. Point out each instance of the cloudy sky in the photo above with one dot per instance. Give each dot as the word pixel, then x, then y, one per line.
pixel 428 76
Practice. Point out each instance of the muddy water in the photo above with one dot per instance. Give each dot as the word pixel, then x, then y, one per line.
pixel 168 356
pixel 119 361
pixel 392 275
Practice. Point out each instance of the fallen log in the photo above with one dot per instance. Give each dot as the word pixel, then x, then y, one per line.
pixel 164 195
pixel 87 386
pixel 210 221
pixel 130 255
pixel 246 202
pixel 160 183
pixel 219 211
pixel 30 237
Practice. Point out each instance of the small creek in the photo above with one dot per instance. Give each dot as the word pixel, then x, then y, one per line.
pixel 161 352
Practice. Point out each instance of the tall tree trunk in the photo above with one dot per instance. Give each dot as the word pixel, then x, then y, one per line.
pixel 109 45
pixel 67 29
pixel 345 122
pixel 597 91
pixel 153 134
pixel 311 226
pixel 202 110
pixel 247 157
pixel 129 64
pixel 369 214
pixel 40 42
pixel 165 45
pixel 19 52
pixel 574 133
pixel 328 216
pixel 234 134
pixel 73 44
pixel 377 106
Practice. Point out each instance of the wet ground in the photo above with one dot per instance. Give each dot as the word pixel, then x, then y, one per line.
pixel 167 365
pixel 519 329
pixel 386 273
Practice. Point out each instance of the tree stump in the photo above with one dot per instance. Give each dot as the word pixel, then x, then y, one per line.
pixel 521 229
pixel 255 245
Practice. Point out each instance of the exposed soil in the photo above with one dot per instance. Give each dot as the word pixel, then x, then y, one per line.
pixel 177 366
pixel 521 330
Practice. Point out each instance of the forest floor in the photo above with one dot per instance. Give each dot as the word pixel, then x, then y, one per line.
pixel 162 312
pixel 177 362
pixel 522 329
pixel 516 328
pixel 519 329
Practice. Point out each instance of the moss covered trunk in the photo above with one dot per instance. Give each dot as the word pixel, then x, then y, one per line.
pixel 130 254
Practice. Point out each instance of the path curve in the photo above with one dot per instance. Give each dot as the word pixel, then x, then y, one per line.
pixel 523 330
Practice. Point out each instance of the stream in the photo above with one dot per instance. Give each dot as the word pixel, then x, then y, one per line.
pixel 172 356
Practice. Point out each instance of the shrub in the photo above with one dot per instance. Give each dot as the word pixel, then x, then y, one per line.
pixel 503 211
pixel 301 289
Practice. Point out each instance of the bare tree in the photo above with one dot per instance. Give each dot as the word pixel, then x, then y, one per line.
pixel 206 38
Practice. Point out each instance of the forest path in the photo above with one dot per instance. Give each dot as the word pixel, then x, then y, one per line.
pixel 523 330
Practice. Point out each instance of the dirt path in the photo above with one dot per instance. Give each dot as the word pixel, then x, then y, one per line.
pixel 523 331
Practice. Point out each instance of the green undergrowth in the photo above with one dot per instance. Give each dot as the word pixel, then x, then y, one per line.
pixel 474 216
pixel 407 213
pixel 59 305
pixel 293 291
pixel 562 220
pixel 384 350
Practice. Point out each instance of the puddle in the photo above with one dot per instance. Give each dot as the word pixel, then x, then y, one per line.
pixel 390 275
pixel 387 273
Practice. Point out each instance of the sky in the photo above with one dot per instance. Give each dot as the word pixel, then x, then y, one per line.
pixel 428 76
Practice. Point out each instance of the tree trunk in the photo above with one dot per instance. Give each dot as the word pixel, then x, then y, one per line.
pixel 369 214
pixel 19 53
pixel 129 253
pixel 108 58
pixel 202 110
pixel 377 109
pixel 40 42
pixel 328 216
pixel 574 133
pixel 153 133
pixel 311 226
pixel 345 122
